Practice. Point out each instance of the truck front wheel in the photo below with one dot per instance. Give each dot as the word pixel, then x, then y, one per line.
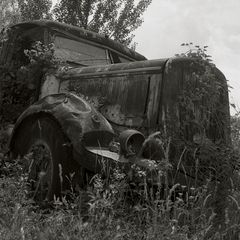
pixel 48 157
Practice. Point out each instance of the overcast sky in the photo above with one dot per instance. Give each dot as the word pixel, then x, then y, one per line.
pixel 216 23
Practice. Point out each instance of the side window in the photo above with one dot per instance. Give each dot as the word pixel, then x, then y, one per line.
pixel 124 60
pixel 79 52
pixel 115 58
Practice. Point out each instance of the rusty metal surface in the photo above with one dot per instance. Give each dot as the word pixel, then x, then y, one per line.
pixel 78 120
pixel 127 94
pixel 139 67
pixel 72 31
pixel 142 95
pixel 171 116
pixel 121 99
pixel 50 86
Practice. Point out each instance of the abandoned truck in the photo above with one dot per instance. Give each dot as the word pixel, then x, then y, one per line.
pixel 105 105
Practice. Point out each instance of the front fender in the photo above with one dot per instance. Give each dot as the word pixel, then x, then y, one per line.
pixel 79 121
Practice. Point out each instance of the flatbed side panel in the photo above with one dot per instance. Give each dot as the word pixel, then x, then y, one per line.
pixel 120 99
pixel 127 100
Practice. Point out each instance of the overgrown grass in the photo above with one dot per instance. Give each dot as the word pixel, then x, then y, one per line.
pixel 113 209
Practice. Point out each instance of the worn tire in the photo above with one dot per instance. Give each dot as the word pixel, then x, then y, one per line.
pixel 45 131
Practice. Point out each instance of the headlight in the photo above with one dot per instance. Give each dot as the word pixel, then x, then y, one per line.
pixel 131 142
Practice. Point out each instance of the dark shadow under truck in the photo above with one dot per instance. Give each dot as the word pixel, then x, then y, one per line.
pixel 102 102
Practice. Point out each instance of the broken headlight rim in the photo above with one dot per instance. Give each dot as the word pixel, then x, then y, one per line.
pixel 131 142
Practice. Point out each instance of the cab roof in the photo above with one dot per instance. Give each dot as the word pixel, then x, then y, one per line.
pixel 81 33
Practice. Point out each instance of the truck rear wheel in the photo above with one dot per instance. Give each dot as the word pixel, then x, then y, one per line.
pixel 50 165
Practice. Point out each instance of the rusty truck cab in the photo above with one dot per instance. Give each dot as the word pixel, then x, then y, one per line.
pixel 73 46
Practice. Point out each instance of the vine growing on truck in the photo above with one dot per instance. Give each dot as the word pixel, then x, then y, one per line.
pixel 201 107
pixel 18 84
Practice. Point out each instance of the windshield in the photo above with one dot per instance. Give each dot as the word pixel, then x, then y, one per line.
pixel 80 52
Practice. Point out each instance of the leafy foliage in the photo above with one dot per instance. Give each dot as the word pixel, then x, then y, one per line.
pixel 204 99
pixel 117 19
pixel 195 52
pixel 15 11
pixel 15 96
pixel 9 13
pixel 104 211
pixel 235 131
pixel 202 104
pixel 34 9
pixel 42 56
pixel 19 84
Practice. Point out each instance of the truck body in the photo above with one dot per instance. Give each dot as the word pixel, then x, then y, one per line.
pixel 109 101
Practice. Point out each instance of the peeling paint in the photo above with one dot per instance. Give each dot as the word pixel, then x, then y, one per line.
pixel 120 98
pixel 50 86
pixel 75 118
